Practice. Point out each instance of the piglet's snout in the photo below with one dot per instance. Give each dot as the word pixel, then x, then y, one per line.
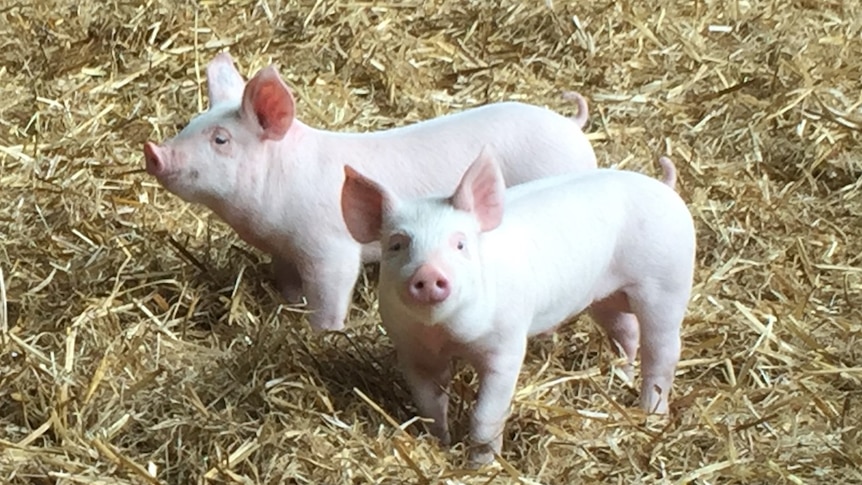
pixel 429 285
pixel 155 159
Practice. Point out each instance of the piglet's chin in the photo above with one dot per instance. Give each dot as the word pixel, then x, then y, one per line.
pixel 429 314
pixel 169 181
pixel 177 184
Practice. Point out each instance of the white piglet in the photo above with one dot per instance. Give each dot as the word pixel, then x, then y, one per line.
pixel 475 274
pixel 277 181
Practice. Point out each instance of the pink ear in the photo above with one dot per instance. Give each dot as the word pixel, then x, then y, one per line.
pixel 224 83
pixel 362 205
pixel 481 191
pixel 268 102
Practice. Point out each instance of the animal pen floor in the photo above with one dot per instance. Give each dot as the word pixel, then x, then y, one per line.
pixel 143 342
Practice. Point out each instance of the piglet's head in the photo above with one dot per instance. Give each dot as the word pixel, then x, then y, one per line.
pixel 225 148
pixel 430 262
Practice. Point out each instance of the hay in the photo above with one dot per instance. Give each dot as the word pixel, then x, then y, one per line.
pixel 146 344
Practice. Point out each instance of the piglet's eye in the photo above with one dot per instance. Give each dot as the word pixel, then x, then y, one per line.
pixel 458 241
pixel 397 242
pixel 220 139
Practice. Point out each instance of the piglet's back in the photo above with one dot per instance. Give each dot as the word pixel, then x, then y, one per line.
pixel 575 231
pixel 529 142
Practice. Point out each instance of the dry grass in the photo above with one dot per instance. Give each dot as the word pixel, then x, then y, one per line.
pixel 142 342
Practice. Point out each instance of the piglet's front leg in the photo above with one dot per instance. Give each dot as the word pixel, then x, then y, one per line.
pixel 428 375
pixel 498 374
pixel 328 282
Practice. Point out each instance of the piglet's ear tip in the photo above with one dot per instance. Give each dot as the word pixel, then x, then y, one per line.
pixel 270 72
pixel 223 56
pixel 354 177
pixel 350 172
pixel 265 76
pixel 486 163
pixel 487 150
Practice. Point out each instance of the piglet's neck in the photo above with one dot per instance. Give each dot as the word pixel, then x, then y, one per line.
pixel 248 217
pixel 297 150
pixel 250 228
pixel 332 149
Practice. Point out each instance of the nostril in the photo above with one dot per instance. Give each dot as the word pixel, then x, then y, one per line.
pixel 428 286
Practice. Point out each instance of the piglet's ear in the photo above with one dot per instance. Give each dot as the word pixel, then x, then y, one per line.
pixel 363 203
pixel 482 191
pixel 224 82
pixel 268 103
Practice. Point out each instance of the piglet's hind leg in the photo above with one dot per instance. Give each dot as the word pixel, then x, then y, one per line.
pixel 621 328
pixel 660 321
pixel 287 280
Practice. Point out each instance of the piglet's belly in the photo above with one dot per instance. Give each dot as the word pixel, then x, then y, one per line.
pixel 548 322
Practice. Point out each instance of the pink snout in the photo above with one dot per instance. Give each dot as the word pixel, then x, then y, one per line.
pixel 155 159
pixel 428 285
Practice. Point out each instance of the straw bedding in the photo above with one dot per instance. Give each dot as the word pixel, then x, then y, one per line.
pixel 143 342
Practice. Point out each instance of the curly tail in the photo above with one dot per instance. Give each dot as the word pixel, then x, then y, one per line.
pixel 583 113
pixel 668 172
